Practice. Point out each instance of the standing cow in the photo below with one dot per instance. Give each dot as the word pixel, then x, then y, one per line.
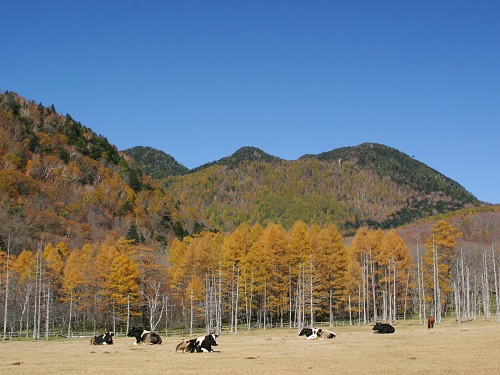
pixel 430 322
pixel 383 328
pixel 144 337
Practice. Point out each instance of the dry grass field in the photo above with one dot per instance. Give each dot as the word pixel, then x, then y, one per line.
pixel 472 347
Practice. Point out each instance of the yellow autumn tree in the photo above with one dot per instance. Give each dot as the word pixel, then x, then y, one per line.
pixel 267 259
pixel 441 252
pixel 119 279
pixel 333 268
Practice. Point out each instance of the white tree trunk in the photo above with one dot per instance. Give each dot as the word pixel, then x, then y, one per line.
pixel 236 300
pixel 70 312
pixel 7 286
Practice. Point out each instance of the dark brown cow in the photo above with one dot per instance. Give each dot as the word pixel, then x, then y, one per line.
pixel 383 328
pixel 430 322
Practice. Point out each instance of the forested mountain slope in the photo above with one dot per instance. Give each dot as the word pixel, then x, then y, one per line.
pixel 370 184
pixel 59 181
pixel 154 163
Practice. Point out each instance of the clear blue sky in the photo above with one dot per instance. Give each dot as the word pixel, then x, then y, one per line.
pixel 200 79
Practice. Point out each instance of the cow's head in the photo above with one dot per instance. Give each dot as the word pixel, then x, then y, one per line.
pixel 211 339
pixel 135 332
pixel 108 337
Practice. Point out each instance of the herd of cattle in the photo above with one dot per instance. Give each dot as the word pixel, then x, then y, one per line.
pixel 205 344
pixel 142 336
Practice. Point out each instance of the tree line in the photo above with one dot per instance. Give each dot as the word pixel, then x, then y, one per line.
pixel 253 277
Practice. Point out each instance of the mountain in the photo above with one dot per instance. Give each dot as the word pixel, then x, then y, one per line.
pixel 155 163
pixel 243 154
pixel 401 168
pixel 370 184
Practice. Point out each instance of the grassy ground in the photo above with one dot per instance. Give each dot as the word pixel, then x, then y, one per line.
pixel 472 347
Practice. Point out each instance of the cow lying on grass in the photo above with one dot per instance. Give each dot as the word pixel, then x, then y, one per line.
pixel 144 337
pixel 105 338
pixel 201 344
pixel 326 334
pixel 315 333
pixel 383 328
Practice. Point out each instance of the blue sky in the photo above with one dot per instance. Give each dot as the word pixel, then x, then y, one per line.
pixel 200 79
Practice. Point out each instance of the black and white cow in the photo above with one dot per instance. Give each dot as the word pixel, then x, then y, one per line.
pixel 326 334
pixel 205 343
pixel 310 333
pixel 383 328
pixel 144 337
pixel 201 344
pixel 105 338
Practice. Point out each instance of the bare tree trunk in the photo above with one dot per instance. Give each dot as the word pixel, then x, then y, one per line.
pixel 191 314
pixel 70 312
pixel 359 305
pixel 486 289
pixel 394 293
pixel 384 297
pixel 236 300
pixel 372 268
pixel 469 312
pixel 458 293
pixel 497 290
pixel 350 315
pixel 389 294
pixel 311 289
pixel 47 314
pixel 231 301
pixel 331 307
pixel 251 302
pixel 26 306
pixel 457 302
pixel 165 302
pixel 464 289
pixel 7 286
pixel 419 286
pixel 128 315
pixel 290 296
pixel 265 301
pixel 423 290
pixel 406 294
pixel 363 280
pixel 38 295
pixel 35 315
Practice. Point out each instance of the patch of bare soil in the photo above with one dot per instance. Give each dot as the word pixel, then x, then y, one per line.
pixel 449 348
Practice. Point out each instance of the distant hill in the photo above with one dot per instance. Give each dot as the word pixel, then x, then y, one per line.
pixel 401 168
pixel 243 154
pixel 155 163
